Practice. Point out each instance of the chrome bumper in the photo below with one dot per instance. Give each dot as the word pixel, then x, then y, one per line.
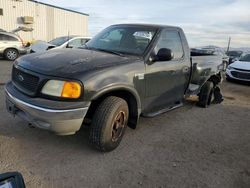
pixel 62 122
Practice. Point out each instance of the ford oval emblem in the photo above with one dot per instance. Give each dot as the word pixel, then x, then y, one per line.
pixel 20 78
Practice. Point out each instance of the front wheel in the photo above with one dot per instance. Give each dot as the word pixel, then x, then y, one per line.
pixel 11 54
pixel 109 123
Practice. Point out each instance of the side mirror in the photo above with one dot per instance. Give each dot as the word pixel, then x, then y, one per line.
pixel 11 179
pixel 164 54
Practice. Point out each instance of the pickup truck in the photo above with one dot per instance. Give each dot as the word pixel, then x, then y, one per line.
pixel 125 71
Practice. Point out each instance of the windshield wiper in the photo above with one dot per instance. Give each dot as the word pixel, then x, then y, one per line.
pixel 108 51
pixel 103 50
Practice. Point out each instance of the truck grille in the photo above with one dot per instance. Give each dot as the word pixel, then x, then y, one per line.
pixel 26 82
pixel 242 75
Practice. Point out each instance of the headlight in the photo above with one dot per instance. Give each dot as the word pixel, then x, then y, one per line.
pixel 63 89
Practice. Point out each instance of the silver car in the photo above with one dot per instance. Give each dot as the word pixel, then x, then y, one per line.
pixel 11 46
pixel 239 70
pixel 60 43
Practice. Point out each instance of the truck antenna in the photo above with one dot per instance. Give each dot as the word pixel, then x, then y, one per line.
pixel 228 45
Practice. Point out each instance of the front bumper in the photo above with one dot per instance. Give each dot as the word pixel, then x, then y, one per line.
pixel 60 121
pixel 239 75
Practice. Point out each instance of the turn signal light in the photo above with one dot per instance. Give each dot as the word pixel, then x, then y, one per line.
pixel 71 90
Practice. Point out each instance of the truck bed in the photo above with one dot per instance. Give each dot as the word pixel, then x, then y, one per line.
pixel 203 66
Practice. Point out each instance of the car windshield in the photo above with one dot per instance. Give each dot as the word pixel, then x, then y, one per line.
pixel 132 40
pixel 234 53
pixel 60 40
pixel 245 57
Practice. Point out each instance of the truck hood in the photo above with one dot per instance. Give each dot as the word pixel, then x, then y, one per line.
pixel 241 65
pixel 68 62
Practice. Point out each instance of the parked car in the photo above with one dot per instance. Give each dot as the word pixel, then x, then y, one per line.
pixel 239 70
pixel 11 46
pixel 234 55
pixel 59 43
pixel 125 71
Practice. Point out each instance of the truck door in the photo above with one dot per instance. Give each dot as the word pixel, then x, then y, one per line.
pixel 166 81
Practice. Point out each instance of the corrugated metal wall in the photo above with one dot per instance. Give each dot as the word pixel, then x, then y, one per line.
pixel 49 22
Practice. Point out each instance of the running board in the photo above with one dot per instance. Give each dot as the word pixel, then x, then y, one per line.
pixel 153 114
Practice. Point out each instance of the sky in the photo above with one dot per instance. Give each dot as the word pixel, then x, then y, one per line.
pixel 204 22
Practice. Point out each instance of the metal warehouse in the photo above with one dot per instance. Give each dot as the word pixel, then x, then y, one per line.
pixel 40 21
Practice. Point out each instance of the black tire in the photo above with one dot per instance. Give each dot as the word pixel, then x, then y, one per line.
pixel 106 131
pixel 206 94
pixel 11 54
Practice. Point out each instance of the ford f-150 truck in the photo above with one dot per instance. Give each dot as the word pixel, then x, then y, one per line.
pixel 125 71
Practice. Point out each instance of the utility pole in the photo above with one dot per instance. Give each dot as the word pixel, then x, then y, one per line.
pixel 228 45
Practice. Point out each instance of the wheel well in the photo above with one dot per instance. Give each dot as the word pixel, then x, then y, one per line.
pixel 216 79
pixel 9 49
pixel 124 94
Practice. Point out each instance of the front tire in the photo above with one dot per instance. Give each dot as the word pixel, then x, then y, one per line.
pixel 11 54
pixel 109 123
pixel 206 94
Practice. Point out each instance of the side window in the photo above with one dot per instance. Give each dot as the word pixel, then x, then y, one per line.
pixel 77 43
pixel 7 38
pixel 172 41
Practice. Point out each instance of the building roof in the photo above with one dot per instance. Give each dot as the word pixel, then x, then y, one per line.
pixel 59 7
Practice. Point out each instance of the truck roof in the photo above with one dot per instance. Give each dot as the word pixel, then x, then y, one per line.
pixel 157 26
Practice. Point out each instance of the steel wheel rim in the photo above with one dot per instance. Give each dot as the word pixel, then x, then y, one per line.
pixel 118 126
pixel 11 55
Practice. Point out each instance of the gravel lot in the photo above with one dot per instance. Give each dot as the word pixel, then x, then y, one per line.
pixel 187 147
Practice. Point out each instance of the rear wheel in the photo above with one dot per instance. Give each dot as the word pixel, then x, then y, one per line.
pixel 109 123
pixel 206 94
pixel 11 54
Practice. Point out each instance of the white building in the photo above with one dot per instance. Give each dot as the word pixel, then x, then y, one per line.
pixel 47 21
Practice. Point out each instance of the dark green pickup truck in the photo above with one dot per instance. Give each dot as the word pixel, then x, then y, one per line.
pixel 124 72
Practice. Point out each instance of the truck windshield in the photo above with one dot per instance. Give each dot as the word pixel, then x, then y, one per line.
pixel 132 40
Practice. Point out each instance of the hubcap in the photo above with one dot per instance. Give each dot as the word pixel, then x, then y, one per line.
pixel 118 126
pixel 12 55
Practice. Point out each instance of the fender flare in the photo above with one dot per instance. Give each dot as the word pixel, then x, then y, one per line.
pixel 120 87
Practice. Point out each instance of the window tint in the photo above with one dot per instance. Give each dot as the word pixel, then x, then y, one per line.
pixel 7 38
pixel 114 35
pixel 77 43
pixel 123 39
pixel 172 41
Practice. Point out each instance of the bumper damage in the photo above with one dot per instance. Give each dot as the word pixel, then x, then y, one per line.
pixel 62 122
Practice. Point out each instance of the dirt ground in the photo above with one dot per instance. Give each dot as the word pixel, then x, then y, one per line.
pixel 187 147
